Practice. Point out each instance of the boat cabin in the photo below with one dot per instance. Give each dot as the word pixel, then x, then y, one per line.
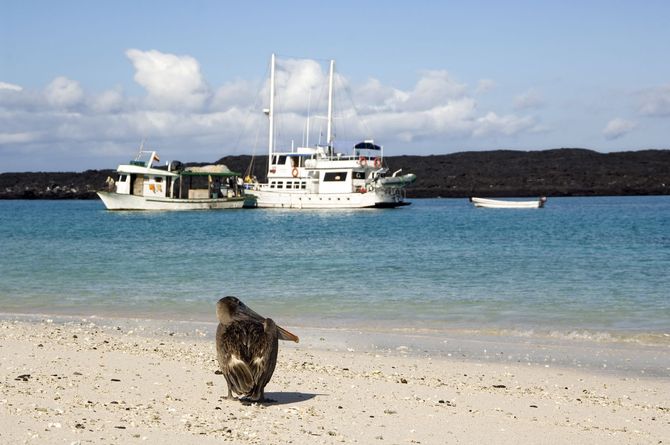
pixel 314 171
pixel 140 178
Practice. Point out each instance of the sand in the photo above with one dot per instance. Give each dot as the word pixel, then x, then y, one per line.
pixel 124 382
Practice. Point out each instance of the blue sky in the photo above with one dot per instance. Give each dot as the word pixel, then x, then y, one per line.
pixel 82 83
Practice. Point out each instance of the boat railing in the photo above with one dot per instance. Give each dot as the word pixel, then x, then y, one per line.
pixel 354 157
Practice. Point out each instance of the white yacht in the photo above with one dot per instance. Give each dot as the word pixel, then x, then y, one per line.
pixel 320 178
pixel 142 186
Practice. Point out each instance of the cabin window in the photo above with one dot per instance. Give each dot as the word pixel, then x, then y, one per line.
pixel 122 178
pixel 280 185
pixel 359 175
pixel 158 179
pixel 273 184
pixel 335 176
pixel 289 185
pixel 280 160
pixel 303 185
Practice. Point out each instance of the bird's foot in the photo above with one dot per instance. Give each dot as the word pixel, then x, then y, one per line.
pixel 247 401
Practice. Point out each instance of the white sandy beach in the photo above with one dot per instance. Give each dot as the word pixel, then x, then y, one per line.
pixel 93 381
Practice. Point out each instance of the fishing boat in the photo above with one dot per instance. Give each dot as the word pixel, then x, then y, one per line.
pixel 142 186
pixel 508 204
pixel 319 177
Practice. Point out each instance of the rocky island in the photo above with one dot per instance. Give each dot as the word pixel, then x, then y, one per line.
pixel 499 173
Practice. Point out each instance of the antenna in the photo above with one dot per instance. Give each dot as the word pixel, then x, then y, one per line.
pixel 271 111
pixel 329 136
pixel 309 107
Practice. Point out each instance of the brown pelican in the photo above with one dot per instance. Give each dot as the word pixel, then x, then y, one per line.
pixel 246 347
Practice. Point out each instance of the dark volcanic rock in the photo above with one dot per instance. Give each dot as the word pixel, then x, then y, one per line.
pixel 50 185
pixel 559 172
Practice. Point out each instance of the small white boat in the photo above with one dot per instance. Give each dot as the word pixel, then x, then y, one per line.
pixel 141 186
pixel 506 204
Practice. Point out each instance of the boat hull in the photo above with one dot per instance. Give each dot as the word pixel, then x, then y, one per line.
pixel 118 201
pixel 304 200
pixel 501 204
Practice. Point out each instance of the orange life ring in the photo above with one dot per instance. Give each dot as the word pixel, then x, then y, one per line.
pixel 378 162
pixel 362 160
pixel 294 172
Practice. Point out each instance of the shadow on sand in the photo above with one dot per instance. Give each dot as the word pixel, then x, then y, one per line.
pixel 286 398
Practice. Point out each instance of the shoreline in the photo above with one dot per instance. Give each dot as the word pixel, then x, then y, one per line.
pixel 120 381
pixel 602 353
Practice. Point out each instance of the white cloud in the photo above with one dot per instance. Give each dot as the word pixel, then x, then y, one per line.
pixel 434 88
pixel 508 125
pixel 235 94
pixel 63 93
pixel 617 128
pixel 375 97
pixel 297 83
pixel 108 101
pixel 10 86
pixel 171 80
pixel 529 100
pixel 16 138
pixel 453 119
pixel 655 102
pixel 184 119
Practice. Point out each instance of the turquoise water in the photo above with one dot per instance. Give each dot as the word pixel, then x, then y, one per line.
pixel 580 266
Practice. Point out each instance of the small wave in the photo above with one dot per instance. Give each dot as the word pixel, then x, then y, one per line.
pixel 572 335
pixel 585 335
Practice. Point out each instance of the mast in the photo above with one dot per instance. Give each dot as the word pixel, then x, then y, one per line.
pixel 329 139
pixel 271 112
pixel 309 108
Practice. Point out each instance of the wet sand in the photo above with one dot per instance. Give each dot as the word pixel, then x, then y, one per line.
pixel 127 381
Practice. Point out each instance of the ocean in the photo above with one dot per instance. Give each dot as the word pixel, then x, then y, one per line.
pixel 593 268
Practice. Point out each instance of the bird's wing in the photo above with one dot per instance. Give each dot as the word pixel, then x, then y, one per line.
pixel 264 355
pixel 233 354
pixel 239 376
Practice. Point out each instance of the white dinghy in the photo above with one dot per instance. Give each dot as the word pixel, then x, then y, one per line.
pixel 507 204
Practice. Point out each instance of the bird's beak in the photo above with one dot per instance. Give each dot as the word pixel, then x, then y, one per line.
pixel 286 335
pixel 283 333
